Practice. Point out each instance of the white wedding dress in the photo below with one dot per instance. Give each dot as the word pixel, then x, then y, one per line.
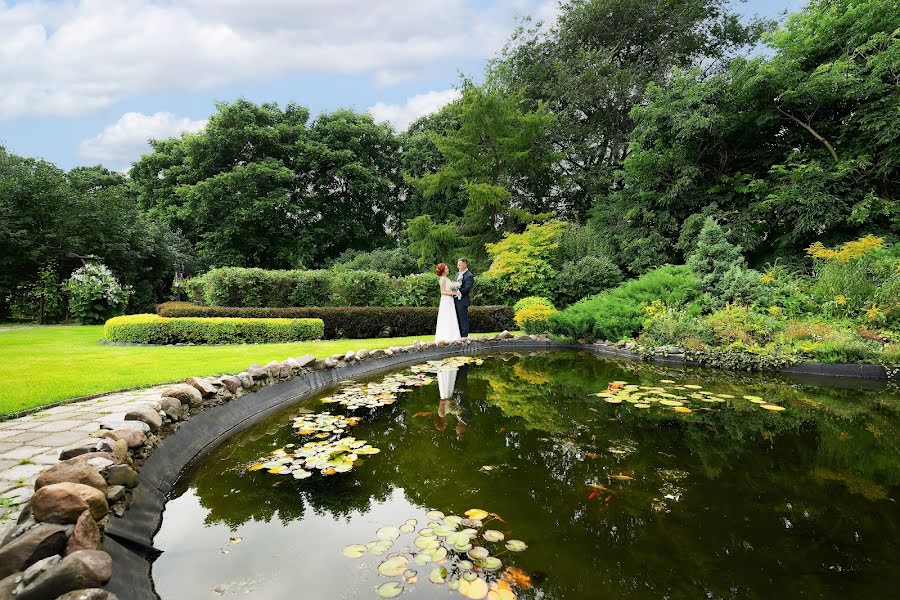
pixel 447 323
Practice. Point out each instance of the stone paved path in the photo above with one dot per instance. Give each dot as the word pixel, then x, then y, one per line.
pixel 31 444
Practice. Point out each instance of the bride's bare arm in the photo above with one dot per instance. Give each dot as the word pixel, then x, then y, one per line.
pixel 444 291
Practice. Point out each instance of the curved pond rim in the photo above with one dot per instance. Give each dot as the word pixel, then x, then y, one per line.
pixel 129 539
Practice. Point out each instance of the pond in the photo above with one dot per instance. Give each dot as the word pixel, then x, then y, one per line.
pixel 671 483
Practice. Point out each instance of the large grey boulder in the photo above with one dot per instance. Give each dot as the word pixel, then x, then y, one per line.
pixel 72 471
pixel 64 502
pixel 145 414
pixel 41 541
pixel 184 392
pixel 79 570
pixel 205 387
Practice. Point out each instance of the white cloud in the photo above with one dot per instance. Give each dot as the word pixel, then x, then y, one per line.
pixel 70 57
pixel 126 139
pixel 401 115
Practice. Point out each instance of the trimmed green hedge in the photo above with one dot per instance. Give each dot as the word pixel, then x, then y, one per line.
pixel 357 322
pixel 244 287
pixel 155 329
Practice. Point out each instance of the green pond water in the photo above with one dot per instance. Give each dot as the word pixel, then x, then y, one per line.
pixel 730 500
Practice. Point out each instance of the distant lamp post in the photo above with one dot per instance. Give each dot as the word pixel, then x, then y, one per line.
pixel 178 282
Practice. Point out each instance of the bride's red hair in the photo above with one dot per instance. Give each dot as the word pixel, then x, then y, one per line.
pixel 440 269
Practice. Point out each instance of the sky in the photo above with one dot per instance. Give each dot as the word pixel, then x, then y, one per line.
pixel 85 82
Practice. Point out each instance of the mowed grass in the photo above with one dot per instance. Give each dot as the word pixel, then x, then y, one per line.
pixel 48 364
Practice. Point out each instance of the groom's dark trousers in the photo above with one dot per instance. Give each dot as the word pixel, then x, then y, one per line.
pixel 462 304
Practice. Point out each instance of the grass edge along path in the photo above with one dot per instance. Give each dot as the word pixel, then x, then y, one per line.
pixel 45 365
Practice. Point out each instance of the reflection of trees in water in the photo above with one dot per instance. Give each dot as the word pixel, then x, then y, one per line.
pixel 737 477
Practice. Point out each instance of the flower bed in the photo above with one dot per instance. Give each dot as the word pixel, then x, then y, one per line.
pixel 155 329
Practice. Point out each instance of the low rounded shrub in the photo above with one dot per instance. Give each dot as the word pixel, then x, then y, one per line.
pixel 532 301
pixel 585 277
pixel 154 329
pixel 535 318
pixel 619 313
pixel 95 294
pixel 418 290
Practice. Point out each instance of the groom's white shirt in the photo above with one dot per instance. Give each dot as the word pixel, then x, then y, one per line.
pixel 459 278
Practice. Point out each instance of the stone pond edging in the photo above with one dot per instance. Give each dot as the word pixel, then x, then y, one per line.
pixel 58 548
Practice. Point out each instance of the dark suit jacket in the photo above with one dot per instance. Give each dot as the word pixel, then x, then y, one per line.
pixel 468 282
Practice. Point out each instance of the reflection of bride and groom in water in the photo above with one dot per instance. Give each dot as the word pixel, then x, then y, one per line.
pixel 452 384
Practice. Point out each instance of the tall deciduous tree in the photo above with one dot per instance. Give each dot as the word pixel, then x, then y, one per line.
pixel 592 67
pixel 493 155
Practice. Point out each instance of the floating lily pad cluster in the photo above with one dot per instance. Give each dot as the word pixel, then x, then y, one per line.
pixel 328 457
pixel 342 454
pixel 436 366
pixel 323 424
pixel 681 398
pixel 458 552
pixel 376 394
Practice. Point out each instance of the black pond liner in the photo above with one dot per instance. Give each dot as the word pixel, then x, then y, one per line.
pixel 129 539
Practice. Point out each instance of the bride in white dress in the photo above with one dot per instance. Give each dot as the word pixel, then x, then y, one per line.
pixel 447 322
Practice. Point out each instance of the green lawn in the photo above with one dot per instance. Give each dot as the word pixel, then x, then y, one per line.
pixel 47 364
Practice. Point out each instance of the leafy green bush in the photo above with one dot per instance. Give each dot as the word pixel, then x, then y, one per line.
pixel 356 322
pixel 585 277
pixel 860 279
pixel 619 313
pixel 95 294
pixel 362 288
pixel 489 292
pixel 535 318
pixel 842 346
pixel 740 324
pixel 396 262
pixel 154 329
pixel 522 263
pixel 665 326
pixel 532 301
pixel 418 290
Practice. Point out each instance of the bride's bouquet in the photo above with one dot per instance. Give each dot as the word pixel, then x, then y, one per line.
pixel 454 285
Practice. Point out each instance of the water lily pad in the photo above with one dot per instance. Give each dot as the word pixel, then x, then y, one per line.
pixel 438 554
pixel 389 532
pixel 354 550
pixel 753 398
pixel 666 402
pixel 613 400
pixel 469 576
pixel 477 514
pixel 407 528
pixel 426 543
pixel 475 589
pixel 391 589
pixel 465 565
pixel 453 584
pixel 393 566
pixel 693 387
pixel 772 407
pixel 423 558
pixel 452 520
pixel 477 553
pixel 492 535
pixel 435 515
pixel 490 563
pixel 642 405
pixel 439 575
pixel 516 546
pixel 682 409
pixel 256 467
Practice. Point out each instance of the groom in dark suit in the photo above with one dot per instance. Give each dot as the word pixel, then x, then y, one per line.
pixel 467 282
